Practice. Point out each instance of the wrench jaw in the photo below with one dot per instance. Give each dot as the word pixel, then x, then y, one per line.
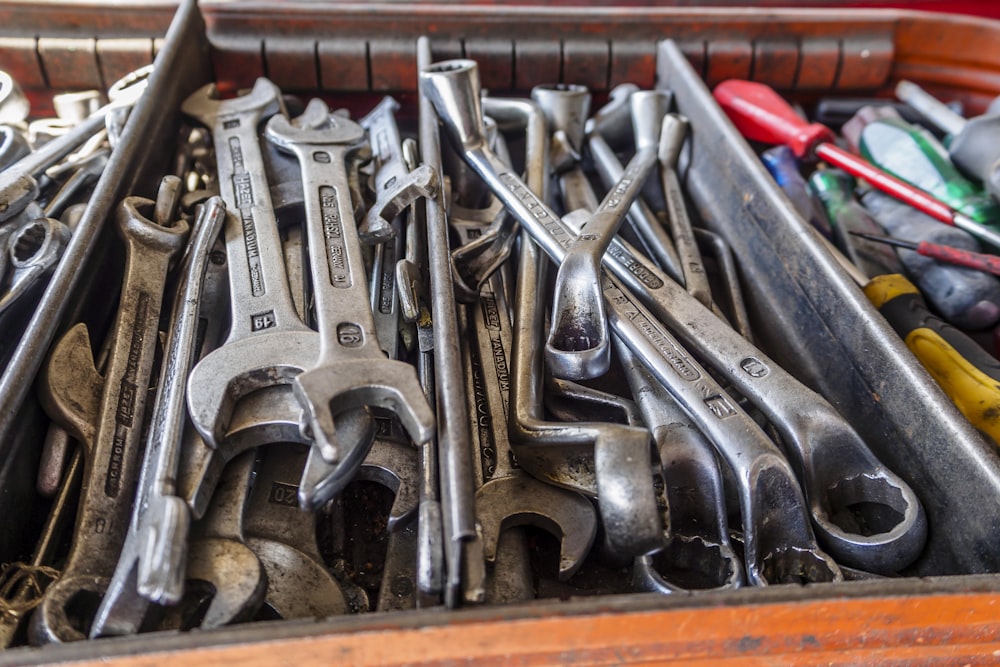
pixel 297 585
pixel 214 388
pixel 235 574
pixel 780 547
pixel 65 612
pixel 420 183
pixel 74 405
pixel 515 501
pixel 579 344
pixel 204 105
pixel 321 480
pixel 384 383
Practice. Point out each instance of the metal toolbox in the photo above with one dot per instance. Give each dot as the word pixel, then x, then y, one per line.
pixel 810 317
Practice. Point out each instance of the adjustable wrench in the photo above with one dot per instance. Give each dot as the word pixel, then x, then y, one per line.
pixel 396 185
pixel 578 345
pixel 351 371
pixel 106 416
pixel 151 565
pixel 507 496
pixel 868 517
pixel 218 555
pixel 299 585
pixel 780 543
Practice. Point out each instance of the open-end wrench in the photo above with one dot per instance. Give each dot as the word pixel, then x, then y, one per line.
pixel 578 345
pixel 106 415
pixel 466 567
pixel 867 516
pixel 396 186
pixel 507 496
pixel 151 565
pixel 351 370
pixel 218 555
pixel 699 554
pixel 781 545
pixel 613 121
pixel 299 585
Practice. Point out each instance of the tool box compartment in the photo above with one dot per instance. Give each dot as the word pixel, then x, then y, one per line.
pixel 808 315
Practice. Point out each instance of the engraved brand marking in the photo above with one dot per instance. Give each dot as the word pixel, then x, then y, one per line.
pixel 383 145
pixel 474 233
pixel 387 289
pixel 262 321
pixel 754 367
pixel 127 396
pixel 322 157
pixel 484 422
pixel 243 191
pixel 720 406
pixel 667 347
pixel 350 334
pixel 619 192
pixel 536 208
pixel 283 494
pixel 231 124
pixel 500 366
pixel 634 266
pixel 333 232
pixel 491 313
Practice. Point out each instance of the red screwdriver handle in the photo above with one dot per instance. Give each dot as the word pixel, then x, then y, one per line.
pixel 761 114
pixel 961 257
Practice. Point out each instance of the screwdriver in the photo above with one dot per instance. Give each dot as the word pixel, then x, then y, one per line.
pixel 761 114
pixel 975 143
pixel 780 162
pixel 912 154
pixel 965 371
pixel 945 253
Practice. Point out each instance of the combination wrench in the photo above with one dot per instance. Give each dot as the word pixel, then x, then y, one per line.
pixel 579 345
pixel 868 517
pixel 106 414
pixel 351 370
pixel 780 543
pixel 151 565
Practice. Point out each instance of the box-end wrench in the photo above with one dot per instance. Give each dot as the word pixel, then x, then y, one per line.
pixel 218 556
pixel 284 538
pixel 396 185
pixel 351 370
pixel 699 554
pixel 34 250
pixel 476 260
pixel 106 415
pixel 268 344
pixel 780 544
pixel 578 345
pixel 868 517
pixel 507 495
pixel 613 121
pixel 151 565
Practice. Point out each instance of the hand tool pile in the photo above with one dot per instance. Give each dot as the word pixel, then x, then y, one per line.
pixel 908 184
pixel 341 379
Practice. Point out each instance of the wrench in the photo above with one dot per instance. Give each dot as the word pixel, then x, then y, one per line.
pixel 151 565
pixel 351 370
pixel 780 543
pixel 614 120
pixel 699 554
pixel 299 585
pixel 218 554
pixel 507 496
pixel 396 186
pixel 578 345
pixel 464 558
pixel 868 517
pixel 476 261
pixel 34 250
pixel 106 415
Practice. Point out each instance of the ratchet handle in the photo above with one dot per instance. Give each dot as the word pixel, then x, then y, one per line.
pixel 762 115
